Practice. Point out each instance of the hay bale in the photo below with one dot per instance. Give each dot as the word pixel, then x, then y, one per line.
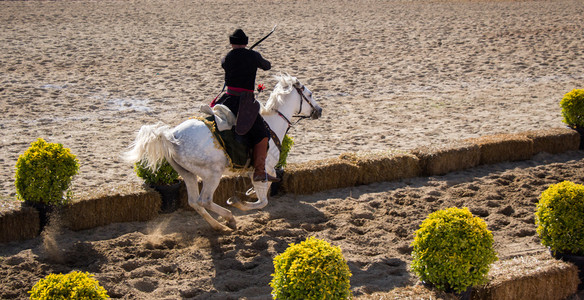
pixel 235 185
pixel 503 147
pixel 231 186
pixel 536 277
pixel 445 158
pixel 555 140
pixel 381 166
pixel 418 291
pixel 519 278
pixel 349 169
pixel 319 175
pixel 120 204
pixel 19 223
pixel 183 196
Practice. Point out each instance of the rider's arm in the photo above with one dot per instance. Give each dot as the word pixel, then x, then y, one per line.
pixel 262 63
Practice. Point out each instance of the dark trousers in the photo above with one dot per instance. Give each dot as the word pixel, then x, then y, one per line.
pixel 258 130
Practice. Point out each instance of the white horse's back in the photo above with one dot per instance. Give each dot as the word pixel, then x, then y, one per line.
pixel 191 145
pixel 198 149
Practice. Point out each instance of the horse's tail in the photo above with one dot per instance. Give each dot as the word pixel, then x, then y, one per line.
pixel 152 145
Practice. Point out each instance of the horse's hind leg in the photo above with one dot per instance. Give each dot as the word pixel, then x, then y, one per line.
pixel 205 200
pixel 194 201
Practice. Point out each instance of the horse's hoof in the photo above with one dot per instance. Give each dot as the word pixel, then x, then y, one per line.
pixel 223 229
pixel 232 224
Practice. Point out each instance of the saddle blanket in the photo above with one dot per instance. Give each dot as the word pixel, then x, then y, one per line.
pixel 238 150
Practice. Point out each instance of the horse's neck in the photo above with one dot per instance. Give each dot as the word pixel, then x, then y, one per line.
pixel 277 123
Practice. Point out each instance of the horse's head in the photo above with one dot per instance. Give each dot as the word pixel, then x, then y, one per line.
pixel 292 98
pixel 307 106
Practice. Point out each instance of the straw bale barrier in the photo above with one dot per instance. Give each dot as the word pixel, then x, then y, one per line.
pixel 229 186
pixel 555 140
pixel 183 195
pixel 383 165
pixel 319 175
pixel 20 223
pixel 503 147
pixel 530 277
pixel 124 204
pixel 349 169
pixel 445 158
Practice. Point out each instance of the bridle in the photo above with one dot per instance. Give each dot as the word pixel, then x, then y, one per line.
pixel 300 89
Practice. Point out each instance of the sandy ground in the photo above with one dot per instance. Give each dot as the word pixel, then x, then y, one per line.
pixel 178 256
pixel 388 74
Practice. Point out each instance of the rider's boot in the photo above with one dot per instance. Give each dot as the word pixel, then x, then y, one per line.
pixel 260 151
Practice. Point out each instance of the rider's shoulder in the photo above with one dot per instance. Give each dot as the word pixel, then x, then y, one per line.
pixel 243 51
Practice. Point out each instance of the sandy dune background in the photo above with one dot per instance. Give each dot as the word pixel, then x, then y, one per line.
pixel 388 74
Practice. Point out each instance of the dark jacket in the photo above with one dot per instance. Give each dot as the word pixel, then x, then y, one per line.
pixel 241 66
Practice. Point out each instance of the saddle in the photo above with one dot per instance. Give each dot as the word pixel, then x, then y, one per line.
pixel 221 121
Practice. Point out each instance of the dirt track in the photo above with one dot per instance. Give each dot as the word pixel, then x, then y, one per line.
pixel 388 74
pixel 179 256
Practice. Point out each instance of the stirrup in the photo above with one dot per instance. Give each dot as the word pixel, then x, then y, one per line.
pixel 265 177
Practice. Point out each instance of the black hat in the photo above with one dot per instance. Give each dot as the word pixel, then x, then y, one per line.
pixel 238 38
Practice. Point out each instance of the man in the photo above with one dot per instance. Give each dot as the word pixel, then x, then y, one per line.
pixel 240 66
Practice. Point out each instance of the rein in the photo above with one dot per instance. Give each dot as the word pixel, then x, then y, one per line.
pixel 300 90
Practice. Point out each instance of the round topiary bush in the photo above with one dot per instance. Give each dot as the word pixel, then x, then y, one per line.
pixel 560 218
pixel 453 250
pixel 74 286
pixel 312 269
pixel 164 175
pixel 44 172
pixel 572 105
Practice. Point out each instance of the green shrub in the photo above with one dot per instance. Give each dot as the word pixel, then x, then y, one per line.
pixel 73 286
pixel 312 269
pixel 287 144
pixel 453 250
pixel 572 105
pixel 165 174
pixel 44 172
pixel 560 218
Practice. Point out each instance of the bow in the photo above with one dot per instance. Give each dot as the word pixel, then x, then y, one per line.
pixel 265 37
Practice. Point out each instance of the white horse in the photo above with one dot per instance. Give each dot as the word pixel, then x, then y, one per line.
pixel 191 149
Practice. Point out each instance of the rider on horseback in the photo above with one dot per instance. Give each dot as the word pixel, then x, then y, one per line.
pixel 240 66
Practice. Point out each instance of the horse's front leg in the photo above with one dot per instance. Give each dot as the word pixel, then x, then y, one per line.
pixel 261 190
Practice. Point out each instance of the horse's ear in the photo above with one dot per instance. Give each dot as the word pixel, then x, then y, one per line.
pixel 297 84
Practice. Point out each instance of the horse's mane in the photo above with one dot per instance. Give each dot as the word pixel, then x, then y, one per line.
pixel 283 87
